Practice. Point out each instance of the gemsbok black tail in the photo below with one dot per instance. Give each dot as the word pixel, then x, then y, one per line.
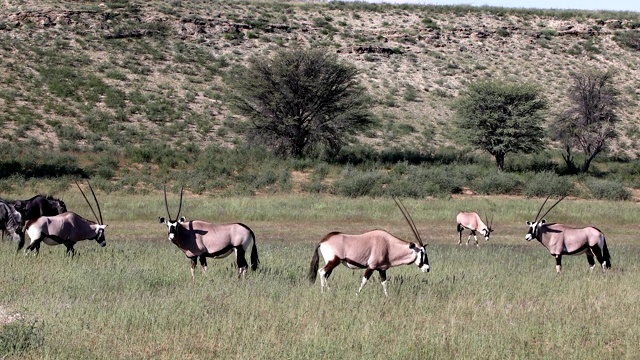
pixel 313 267
pixel 254 252
pixel 605 253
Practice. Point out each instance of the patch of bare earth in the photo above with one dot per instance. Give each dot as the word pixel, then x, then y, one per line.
pixel 7 316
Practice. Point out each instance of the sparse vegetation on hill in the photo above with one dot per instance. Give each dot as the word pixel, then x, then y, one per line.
pixel 131 92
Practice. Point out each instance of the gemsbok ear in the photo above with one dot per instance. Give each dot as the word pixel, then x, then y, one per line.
pixel 161 219
pixel 543 222
pixel 183 219
pixel 412 246
pixel 529 223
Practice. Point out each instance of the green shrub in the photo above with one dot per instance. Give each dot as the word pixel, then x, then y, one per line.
pixel 20 336
pixel 498 183
pixel 629 39
pixel 547 183
pixel 354 183
pixel 607 190
pixel 314 187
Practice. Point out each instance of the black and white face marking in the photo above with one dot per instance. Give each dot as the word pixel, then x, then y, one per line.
pixel 533 229
pixel 486 232
pixel 172 226
pixel 100 239
pixel 421 259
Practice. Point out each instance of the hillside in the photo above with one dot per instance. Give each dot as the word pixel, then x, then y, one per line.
pixel 108 78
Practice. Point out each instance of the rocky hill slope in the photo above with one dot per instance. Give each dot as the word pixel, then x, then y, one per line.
pixel 107 76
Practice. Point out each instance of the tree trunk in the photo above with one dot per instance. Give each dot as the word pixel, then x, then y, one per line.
pixel 587 162
pixel 499 161
pixel 572 169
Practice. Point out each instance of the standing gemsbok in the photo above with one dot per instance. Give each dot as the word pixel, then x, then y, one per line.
pixel 562 239
pixel 375 250
pixel 200 240
pixel 473 222
pixel 67 228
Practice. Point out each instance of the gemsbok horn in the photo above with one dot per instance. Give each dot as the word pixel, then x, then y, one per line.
pixel 562 239
pixel 200 240
pixel 473 222
pixel 375 250
pixel 67 228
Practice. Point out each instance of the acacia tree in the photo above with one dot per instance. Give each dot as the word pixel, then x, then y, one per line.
pixel 501 118
pixel 590 120
pixel 299 100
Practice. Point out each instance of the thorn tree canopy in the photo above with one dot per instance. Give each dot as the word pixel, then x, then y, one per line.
pixel 590 120
pixel 300 100
pixel 501 118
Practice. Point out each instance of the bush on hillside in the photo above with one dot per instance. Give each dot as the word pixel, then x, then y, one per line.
pixel 547 183
pixel 498 183
pixel 354 183
pixel 607 190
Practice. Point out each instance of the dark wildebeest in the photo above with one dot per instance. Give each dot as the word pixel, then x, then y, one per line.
pixel 67 228
pixel 37 206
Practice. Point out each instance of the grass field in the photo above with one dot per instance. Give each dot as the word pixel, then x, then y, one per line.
pixel 134 299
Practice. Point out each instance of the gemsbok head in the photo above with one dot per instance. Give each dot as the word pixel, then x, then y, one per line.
pixel 561 239
pixel 200 240
pixel 67 228
pixel 375 250
pixel 473 222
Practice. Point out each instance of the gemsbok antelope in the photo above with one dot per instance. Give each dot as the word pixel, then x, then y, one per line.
pixel 375 250
pixel 67 228
pixel 473 222
pixel 562 239
pixel 200 240
pixel 37 206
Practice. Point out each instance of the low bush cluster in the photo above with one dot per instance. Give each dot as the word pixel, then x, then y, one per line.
pixel 607 190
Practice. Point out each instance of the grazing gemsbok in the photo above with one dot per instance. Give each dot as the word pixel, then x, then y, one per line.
pixel 200 240
pixel 375 250
pixel 67 228
pixel 37 206
pixel 473 222
pixel 561 240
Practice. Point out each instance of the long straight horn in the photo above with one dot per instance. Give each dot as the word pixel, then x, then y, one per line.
pixel 166 204
pixel 87 200
pixel 545 214
pixel 180 206
pixel 540 210
pixel 409 220
pixel 97 203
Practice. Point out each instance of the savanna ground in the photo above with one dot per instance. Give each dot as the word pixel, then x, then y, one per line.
pixel 134 299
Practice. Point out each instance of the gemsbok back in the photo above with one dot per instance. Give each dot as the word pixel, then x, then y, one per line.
pixel 473 222
pixel 375 250
pixel 562 239
pixel 200 240
pixel 67 228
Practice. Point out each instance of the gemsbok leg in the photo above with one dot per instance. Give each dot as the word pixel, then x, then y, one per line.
pixel 203 264
pixel 599 256
pixel 383 279
pixel 242 262
pixel 325 272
